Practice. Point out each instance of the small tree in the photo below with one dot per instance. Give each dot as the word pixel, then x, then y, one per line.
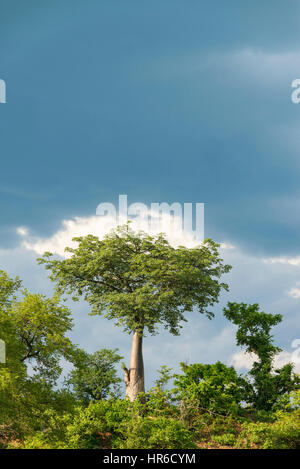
pixel 34 329
pixel 254 333
pixel 95 377
pixel 141 282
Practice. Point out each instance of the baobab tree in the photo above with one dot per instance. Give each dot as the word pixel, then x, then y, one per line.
pixel 141 282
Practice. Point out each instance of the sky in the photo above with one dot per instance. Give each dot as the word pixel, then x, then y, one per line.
pixel 165 101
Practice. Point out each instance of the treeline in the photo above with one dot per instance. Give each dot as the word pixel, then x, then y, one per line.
pixel 141 282
pixel 203 406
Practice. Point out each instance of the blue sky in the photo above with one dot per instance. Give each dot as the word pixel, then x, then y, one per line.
pixel 164 101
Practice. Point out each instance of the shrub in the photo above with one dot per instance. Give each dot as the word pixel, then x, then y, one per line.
pixel 209 388
pixel 227 439
pixel 94 426
pixel 160 403
pixel 158 433
pixel 283 433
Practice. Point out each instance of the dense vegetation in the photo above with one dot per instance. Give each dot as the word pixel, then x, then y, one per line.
pixel 203 406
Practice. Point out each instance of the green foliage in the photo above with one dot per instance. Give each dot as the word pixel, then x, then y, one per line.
pixel 165 375
pixel 160 403
pixel 254 333
pixel 26 403
pixel 254 328
pixel 209 428
pixel 95 376
pixel 138 280
pixel 111 424
pixel 53 433
pixel 209 388
pixel 84 428
pixel 89 428
pixel 293 401
pixel 34 329
pixel 154 432
pixel 8 289
pixel 283 433
pixel 122 424
pixel 227 439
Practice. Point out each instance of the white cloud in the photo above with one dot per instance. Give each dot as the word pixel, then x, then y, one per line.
pixel 242 360
pixel 22 231
pixel 79 226
pixel 294 292
pixel 100 226
pixel 295 261
pixel 264 67
pixel 227 246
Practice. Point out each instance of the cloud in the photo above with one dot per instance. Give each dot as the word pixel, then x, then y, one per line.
pixel 22 231
pixel 294 292
pixel 295 261
pixel 226 246
pixel 79 226
pixel 265 67
pixel 243 361
pixel 101 225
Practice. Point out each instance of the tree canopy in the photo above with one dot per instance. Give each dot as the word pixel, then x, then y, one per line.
pixel 138 280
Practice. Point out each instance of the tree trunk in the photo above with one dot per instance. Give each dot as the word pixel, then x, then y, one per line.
pixel 134 377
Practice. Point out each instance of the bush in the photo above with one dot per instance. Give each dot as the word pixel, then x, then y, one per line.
pixel 95 426
pixel 208 427
pixel 283 433
pixel 111 424
pixel 89 427
pixel 209 388
pixel 37 441
pixel 158 433
pixel 160 403
pixel 227 439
